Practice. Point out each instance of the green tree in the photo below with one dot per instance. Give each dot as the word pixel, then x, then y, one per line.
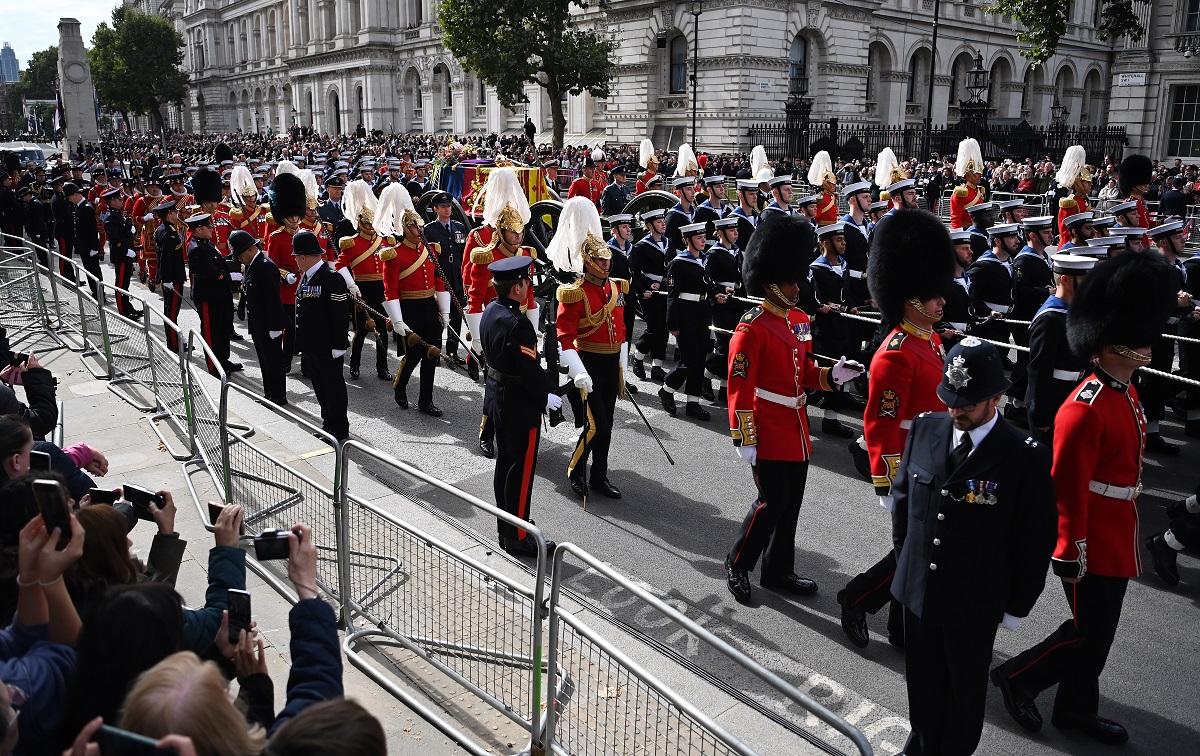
pixel 137 64
pixel 1045 22
pixel 511 43
pixel 37 82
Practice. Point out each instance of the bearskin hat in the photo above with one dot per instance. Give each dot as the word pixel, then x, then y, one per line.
pixel 12 161
pixel 911 257
pixel 1133 171
pixel 772 255
pixel 287 197
pixel 223 152
pixel 206 185
pixel 1125 301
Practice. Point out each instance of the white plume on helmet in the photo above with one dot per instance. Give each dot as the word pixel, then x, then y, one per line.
pixel 287 166
pixel 759 167
pixel 241 183
pixel 393 201
pixel 310 182
pixel 686 161
pixel 597 154
pixel 578 218
pixel 821 165
pixel 645 152
pixel 502 188
pixel 969 158
pixel 884 165
pixel 1072 165
pixel 357 197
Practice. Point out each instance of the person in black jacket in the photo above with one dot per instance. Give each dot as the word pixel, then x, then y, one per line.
pixel 64 227
pixel 829 276
pixel 42 411
pixel 121 243
pixel 616 195
pixel 1174 202
pixel 171 269
pixel 322 316
pixel 974 526
pixel 515 395
pixel 35 223
pixel 212 292
pixel 647 270
pixel 452 238
pixel 723 266
pixel 265 310
pixel 689 313
pixel 87 237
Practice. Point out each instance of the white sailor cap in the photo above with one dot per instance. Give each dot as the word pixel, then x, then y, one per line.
pixel 1103 221
pixel 1123 232
pixel 1037 221
pixel 1124 207
pixel 851 189
pixel 879 205
pixel 710 180
pixel 1074 220
pixel 811 199
pixel 1072 265
pixel 982 207
pixel 619 218
pixel 1169 228
pixel 747 185
pixel 831 229
pixel 1003 229
pixel 960 237
pixel 692 229
pixel 655 179
pixel 730 221
pixel 683 181
pixel 900 186
pixel 1010 204
pixel 779 181
pixel 649 215
pixel 1102 243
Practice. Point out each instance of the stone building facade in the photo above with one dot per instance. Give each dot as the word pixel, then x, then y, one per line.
pixel 335 64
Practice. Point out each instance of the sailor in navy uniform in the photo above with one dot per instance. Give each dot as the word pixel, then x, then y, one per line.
pixel 683 213
pixel 829 276
pixel 621 242
pixel 993 281
pixel 956 319
pixel 746 210
pixel 982 219
pixel 723 266
pixel 689 313
pixel 974 525
pixel 1053 370
pixel 858 199
pixel 1034 282
pixel 647 270
pixel 322 315
pixel 713 208
pixel 1169 239
pixel 420 182
pixel 1080 227
pixel 781 197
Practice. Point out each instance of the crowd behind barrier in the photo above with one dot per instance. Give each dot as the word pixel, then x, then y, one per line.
pixel 517 646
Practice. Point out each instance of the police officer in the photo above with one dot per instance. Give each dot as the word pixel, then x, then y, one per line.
pixel 171 270
pixel 451 237
pixel 971 490
pixel 212 291
pixel 689 313
pixel 87 237
pixel 266 321
pixel 648 269
pixel 516 394
pixel 322 312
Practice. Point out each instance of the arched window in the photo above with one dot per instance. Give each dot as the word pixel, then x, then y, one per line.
pixel 678 65
pixel 799 65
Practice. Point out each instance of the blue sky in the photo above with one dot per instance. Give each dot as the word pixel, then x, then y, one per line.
pixel 31 26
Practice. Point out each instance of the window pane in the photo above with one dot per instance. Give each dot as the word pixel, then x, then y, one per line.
pixel 679 65
pixel 1184 130
pixel 1192 21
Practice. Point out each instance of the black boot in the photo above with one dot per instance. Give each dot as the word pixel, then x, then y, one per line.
pixel 402 398
pixel 707 393
pixel 578 484
pixel 487 448
pixel 694 409
pixel 638 369
pixel 723 395
pixel 738 581
pixel 1164 559
pixel 473 368
pixel 668 401
pixel 834 427
pixel 657 374
pixel 354 373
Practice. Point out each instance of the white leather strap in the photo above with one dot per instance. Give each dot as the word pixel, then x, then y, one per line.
pixel 1068 375
pixel 691 297
pixel 795 402
pixel 1124 493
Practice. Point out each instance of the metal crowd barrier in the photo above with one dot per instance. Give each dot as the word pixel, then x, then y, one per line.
pixel 392 581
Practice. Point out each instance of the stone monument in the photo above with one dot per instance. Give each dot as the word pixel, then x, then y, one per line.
pixel 75 86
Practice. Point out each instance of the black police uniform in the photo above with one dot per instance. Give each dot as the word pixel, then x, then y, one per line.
pixel 648 265
pixel 452 240
pixel 265 314
pixel 124 257
pixel 689 312
pixel 212 293
pixel 37 230
pixel 322 313
pixel 723 266
pixel 168 244
pixel 514 397
pixel 87 244
pixel 64 232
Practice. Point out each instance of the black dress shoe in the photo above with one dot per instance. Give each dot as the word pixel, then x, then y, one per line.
pixel 668 401
pixel 473 369
pixel 487 448
pixel 738 581
pixel 578 485
pixel 792 583
pixel 604 488
pixel 854 621
pixel 354 373
pixel 1095 727
pixel 521 546
pixel 693 409
pixel 233 367
pixel 630 388
pixel 402 399
pixel 383 375
pixel 235 336
pixel 430 409
pixel 638 369
pixel 1164 559
pixel 1020 707
pixel 657 374
pixel 707 394
pixel 1177 508
pixel 862 460
pixel 1156 443
pixel 834 427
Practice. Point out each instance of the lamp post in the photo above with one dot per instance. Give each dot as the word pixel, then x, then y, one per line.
pixel 295 119
pixel 975 109
pixel 256 120
pixel 797 108
pixel 1058 120
pixel 695 10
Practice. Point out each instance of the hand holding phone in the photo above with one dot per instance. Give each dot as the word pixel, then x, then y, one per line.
pixel 52 501
pixel 102 496
pixel 141 499
pixel 120 742
pixel 271 545
pixel 239 614
pixel 39 461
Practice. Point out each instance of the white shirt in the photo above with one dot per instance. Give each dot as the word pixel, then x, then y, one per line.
pixel 313 270
pixel 977 434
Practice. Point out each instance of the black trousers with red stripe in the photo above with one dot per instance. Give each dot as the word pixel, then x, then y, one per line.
pixel 769 529
pixel 216 321
pixel 872 589
pixel 123 266
pixel 516 464
pixel 172 301
pixel 66 246
pixel 1074 655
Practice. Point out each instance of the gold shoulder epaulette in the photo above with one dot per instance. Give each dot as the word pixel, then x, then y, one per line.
pixel 622 284
pixel 482 256
pixel 530 251
pixel 897 340
pixel 346 242
pixel 1067 202
pixel 570 293
pixel 387 254
pixel 960 190
pixel 279 230
pixel 269 218
pixel 235 213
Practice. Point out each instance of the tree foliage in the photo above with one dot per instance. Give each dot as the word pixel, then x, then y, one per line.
pixel 1045 23
pixel 37 82
pixel 511 43
pixel 137 63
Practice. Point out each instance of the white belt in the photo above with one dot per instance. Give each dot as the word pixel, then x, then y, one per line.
pixel 653 277
pixel 1002 309
pixel 1068 375
pixel 691 297
pixel 905 424
pixel 1124 493
pixel 855 273
pixel 959 326
pixel 727 284
pixel 795 402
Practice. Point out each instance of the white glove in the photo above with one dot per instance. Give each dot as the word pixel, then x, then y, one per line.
pixel 846 370
pixel 291 279
pixel 443 302
pixel 473 321
pixel 625 359
pixel 392 307
pixel 169 286
pixel 1009 622
pixel 575 369
pixel 148 217
pixel 94 253
pixel 748 453
pixel 131 254
pixel 274 334
pixel 349 279
pixel 888 503
pixel 553 401
pixel 354 291
pixel 337 352
pixel 236 276
pixel 532 313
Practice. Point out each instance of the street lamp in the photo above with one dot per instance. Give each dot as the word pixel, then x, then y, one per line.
pixel 1058 112
pixel 695 10
pixel 256 120
pixel 976 108
pixel 295 117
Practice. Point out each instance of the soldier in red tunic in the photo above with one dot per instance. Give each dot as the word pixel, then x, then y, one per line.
pixel 1133 179
pixel 587 184
pixel 909 267
pixel 968 166
pixel 146 223
pixel 1073 178
pixel 247 215
pixel 770 365
pixel 821 175
pixel 360 264
pixel 591 335
pixel 1099 452
pixel 649 162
